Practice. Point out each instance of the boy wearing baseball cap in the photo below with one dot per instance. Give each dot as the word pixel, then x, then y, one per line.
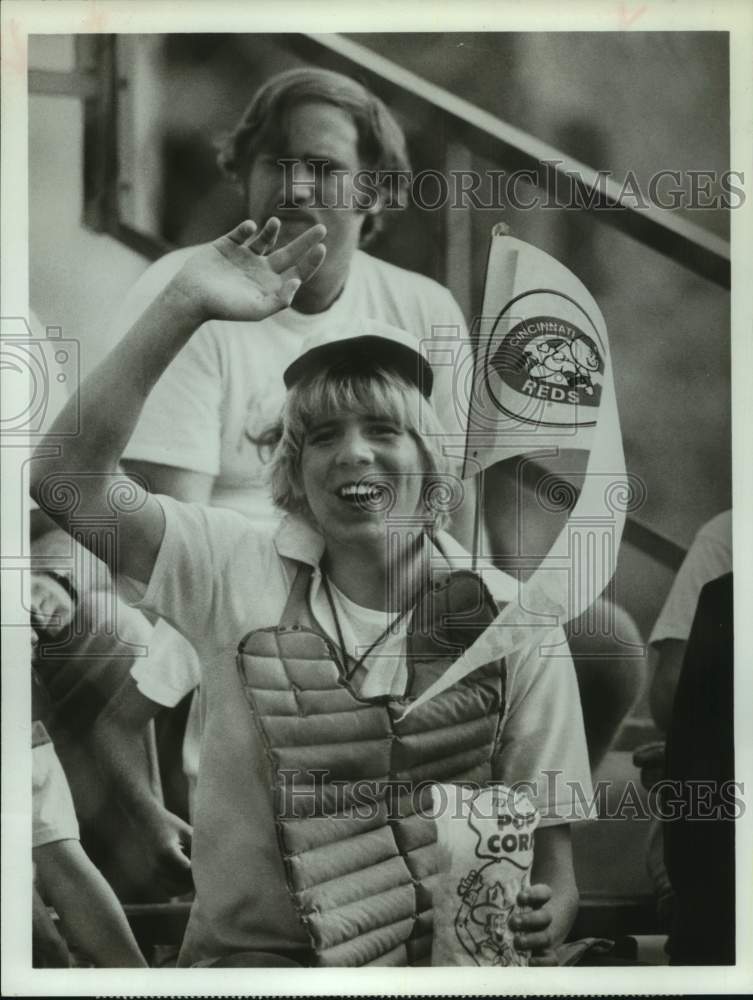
pixel 310 846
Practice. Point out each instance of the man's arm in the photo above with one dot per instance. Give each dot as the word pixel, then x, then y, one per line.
pixel 238 277
pixel 91 917
pixel 709 557
pixel 665 660
pixel 119 742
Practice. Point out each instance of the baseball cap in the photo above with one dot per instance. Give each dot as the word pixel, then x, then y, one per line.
pixel 369 342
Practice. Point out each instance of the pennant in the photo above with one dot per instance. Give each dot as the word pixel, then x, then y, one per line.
pixel 542 380
pixel 541 360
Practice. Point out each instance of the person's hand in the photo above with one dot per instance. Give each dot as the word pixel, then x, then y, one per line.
pixel 241 276
pixel 168 851
pixel 531 925
pixel 48 948
pixel 650 759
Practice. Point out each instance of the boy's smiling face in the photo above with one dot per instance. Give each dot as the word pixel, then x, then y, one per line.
pixel 354 469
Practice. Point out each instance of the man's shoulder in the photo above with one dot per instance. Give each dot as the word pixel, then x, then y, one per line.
pixel 215 335
pixel 393 275
pixel 718 530
pixel 152 281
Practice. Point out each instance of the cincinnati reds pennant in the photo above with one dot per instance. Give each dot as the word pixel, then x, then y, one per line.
pixel 542 380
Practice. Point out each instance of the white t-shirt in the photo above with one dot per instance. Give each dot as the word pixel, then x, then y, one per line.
pixel 53 816
pixel 216 579
pixel 166 675
pixel 708 558
pixel 376 638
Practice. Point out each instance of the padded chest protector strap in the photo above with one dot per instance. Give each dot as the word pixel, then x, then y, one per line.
pixel 349 777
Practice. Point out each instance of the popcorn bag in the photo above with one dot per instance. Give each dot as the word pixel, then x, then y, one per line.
pixel 485 839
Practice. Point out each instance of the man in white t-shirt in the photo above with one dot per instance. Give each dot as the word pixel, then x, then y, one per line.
pixel 709 557
pixel 204 435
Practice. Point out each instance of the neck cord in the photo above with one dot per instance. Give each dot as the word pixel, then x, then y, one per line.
pixel 360 662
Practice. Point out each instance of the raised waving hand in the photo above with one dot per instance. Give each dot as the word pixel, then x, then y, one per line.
pixel 241 276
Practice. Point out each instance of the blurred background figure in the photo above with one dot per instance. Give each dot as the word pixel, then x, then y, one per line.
pixel 91 926
pixel 91 921
pixel 709 557
pixel 673 656
pixel 699 847
pixel 85 642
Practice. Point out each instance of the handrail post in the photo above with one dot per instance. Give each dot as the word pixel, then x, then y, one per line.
pixel 458 228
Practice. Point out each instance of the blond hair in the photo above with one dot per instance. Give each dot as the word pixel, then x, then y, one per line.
pixel 346 389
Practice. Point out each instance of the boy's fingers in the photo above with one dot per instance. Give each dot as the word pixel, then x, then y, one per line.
pixel 288 290
pixel 242 232
pixel 534 895
pixel 531 920
pixel 548 958
pixel 310 262
pixel 535 942
pixel 293 252
pixel 264 242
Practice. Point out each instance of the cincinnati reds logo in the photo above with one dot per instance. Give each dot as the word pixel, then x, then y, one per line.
pixel 552 360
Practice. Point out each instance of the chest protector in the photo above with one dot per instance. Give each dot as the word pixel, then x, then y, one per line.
pixel 350 781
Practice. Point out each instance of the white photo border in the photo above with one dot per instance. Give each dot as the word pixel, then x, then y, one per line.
pixel 20 18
